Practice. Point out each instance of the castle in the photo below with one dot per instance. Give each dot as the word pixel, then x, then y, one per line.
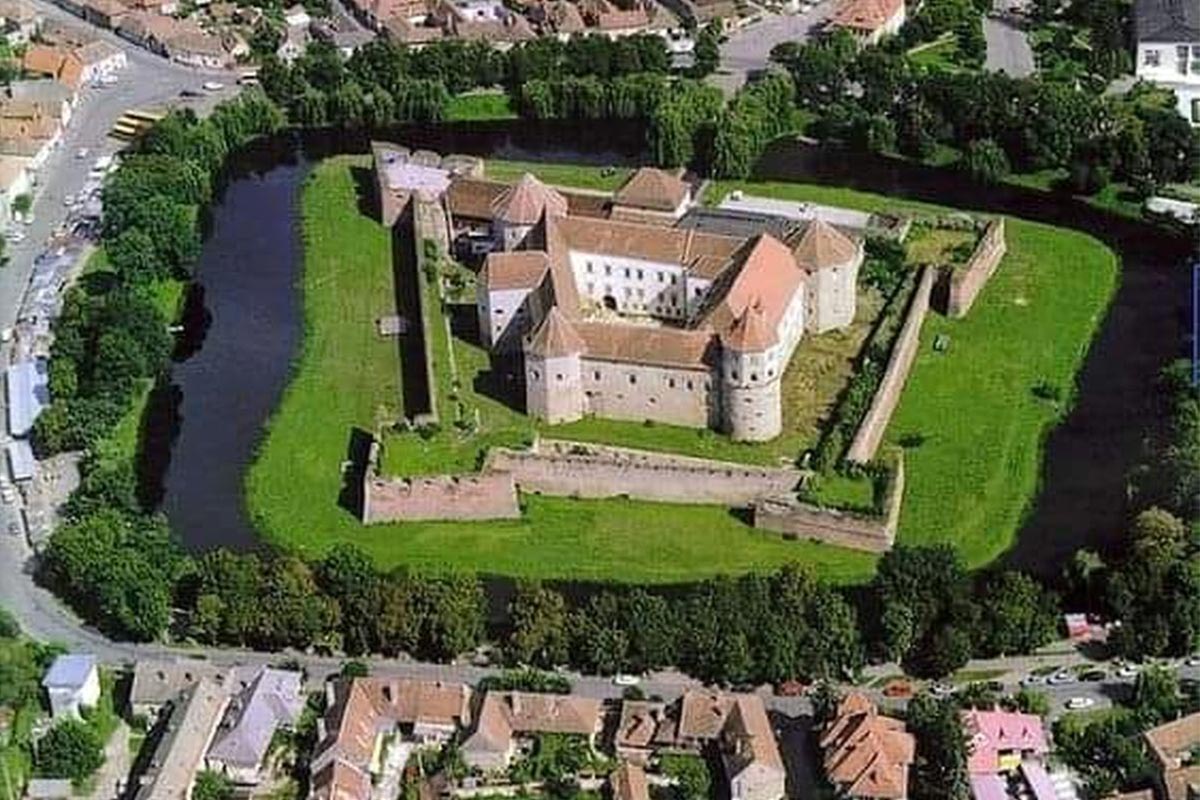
pixel 621 309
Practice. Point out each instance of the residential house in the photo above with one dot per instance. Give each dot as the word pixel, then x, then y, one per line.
pixel 193 46
pixel 180 753
pixel 342 33
pixel 273 700
pixel 362 711
pixel 866 754
pixel 54 62
pixel 72 683
pixel 295 42
pixel 607 18
pixel 100 59
pixel 628 782
pixel 156 684
pixel 750 753
pixel 14 182
pixel 1175 747
pixel 1001 740
pixel 482 20
pixel 507 719
pixel 20 21
pixel 559 18
pixel 147 29
pixel 869 20
pixel 104 13
pixel 29 130
pixel 1167 41
pixel 652 195
pixel 645 727
pixel 57 98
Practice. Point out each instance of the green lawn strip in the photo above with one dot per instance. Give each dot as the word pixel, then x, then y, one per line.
pixel 977 675
pixel 941 54
pixel 346 374
pixel 480 105
pixel 579 176
pixel 977 429
pixel 437 344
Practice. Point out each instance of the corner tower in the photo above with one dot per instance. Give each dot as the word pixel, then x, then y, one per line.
pixel 750 392
pixel 831 260
pixel 520 207
pixel 553 376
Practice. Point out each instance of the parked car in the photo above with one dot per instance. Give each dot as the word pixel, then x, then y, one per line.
pixel 1192 661
pixel 1062 676
pixel 1093 675
pixel 1127 671
pixel 626 680
pixel 941 689
pixel 1080 703
pixel 81 153
pixel 213 86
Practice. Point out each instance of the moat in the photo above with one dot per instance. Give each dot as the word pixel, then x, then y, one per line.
pixel 245 326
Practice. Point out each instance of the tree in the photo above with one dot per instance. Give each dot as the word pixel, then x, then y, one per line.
pixel 348 575
pixel 985 162
pixel 707 52
pixel 939 771
pixel 1156 696
pixel 1017 615
pixel 1157 535
pixel 71 749
pixel 453 615
pixel 690 775
pixel 539 626
pixel 212 785
pixel 1029 701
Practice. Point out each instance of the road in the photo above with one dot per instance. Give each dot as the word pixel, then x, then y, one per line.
pixel 748 49
pixel 1008 47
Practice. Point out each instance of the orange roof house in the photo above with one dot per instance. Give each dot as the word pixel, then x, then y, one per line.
pixel 53 62
pixel 869 20
pixel 867 755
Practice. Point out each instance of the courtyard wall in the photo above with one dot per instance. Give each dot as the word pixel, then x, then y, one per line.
pixel 964 284
pixel 477 496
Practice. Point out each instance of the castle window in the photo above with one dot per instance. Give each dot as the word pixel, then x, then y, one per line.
pixel 591 288
pixel 770 373
pixel 746 401
pixel 536 375
pixel 653 400
pixel 558 377
pixel 499 312
pixel 660 276
pixel 689 386
pixel 641 292
pixel 671 382
pixel 628 291
pixel 639 274
pixel 753 376
pixel 627 272
pixel 596 375
pixel 608 269
pixel 589 266
pixel 698 291
pixel 733 374
pixel 673 277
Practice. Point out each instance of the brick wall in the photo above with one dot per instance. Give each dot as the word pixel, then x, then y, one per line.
pixel 576 469
pixel 479 496
pixel 799 520
pixel 965 284
pixel 874 424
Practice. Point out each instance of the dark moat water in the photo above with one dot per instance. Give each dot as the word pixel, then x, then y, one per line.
pixel 245 325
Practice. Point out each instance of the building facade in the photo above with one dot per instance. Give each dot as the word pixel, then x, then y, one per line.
pixel 1167 42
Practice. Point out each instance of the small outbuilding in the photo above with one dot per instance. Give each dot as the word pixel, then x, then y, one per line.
pixel 72 683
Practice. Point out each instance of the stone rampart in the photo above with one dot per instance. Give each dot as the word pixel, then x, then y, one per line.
pixel 478 496
pixel 874 423
pixel 964 284
pixel 577 469
pixel 796 519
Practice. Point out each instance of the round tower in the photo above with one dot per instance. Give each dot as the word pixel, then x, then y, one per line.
pixel 751 403
pixel 553 375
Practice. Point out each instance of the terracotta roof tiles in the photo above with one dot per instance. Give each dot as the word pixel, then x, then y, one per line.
pixel 653 188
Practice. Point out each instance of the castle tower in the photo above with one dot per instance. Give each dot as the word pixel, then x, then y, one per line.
pixel 831 259
pixel 750 393
pixel 520 207
pixel 553 378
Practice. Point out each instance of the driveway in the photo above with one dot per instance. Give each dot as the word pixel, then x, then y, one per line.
pixel 749 48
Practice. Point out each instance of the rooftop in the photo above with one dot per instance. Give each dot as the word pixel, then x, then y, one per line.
pixel 69 671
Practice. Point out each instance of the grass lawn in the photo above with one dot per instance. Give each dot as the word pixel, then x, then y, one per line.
pixel 973 428
pixel 481 105
pixel 968 417
pixel 580 176
pixel 347 376
pixel 940 54
pixel 940 246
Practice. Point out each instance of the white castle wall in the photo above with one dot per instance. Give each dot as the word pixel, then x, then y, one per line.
pixel 640 392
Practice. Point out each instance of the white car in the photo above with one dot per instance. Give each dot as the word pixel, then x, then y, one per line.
pixel 14 237
pixel 1080 703
pixel 213 86
pixel 82 152
pixel 941 689
pixel 1062 676
pixel 1192 661
pixel 109 80
pixel 1127 671
pixel 626 680
pixel 8 493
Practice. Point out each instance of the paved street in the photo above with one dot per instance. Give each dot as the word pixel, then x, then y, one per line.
pixel 749 49
pixel 1008 47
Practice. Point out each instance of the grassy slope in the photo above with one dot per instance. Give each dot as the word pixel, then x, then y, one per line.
pixel 346 372
pixel 978 468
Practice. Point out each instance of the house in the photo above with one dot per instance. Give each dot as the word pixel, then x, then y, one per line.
pixel 866 754
pixel 342 33
pixel 1167 37
pixel 868 21
pixel 506 718
pixel 750 753
pixel 1001 740
pixel 26 394
pixel 156 684
pixel 104 13
pixel 180 753
pixel 100 59
pixel 53 62
pixel 56 98
pixel 628 782
pixel 645 727
pixel 652 195
pixel 14 182
pixel 72 683
pixel 362 711
pixel 273 700
pixel 49 789
pixel 20 20
pixel 1175 748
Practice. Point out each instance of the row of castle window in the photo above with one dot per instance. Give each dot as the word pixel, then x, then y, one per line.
pixel 733 374
pixel 598 375
pixel 591 290
pixel 630 272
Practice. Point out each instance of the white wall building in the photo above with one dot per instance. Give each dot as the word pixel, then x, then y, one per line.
pixel 1167 36
pixel 72 683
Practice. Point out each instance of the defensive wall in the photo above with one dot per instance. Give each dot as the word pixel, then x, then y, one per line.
pixel 578 469
pixel 963 284
pixel 904 351
pixel 796 519
pixel 477 496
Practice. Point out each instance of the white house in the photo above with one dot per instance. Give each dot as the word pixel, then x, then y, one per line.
pixel 1167 36
pixel 72 683
pixel 14 182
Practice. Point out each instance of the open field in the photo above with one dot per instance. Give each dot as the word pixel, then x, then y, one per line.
pixel 970 423
pixel 580 176
pixel 972 427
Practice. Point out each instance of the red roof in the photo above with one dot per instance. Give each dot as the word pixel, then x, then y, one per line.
pixel 992 733
pixel 866 15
